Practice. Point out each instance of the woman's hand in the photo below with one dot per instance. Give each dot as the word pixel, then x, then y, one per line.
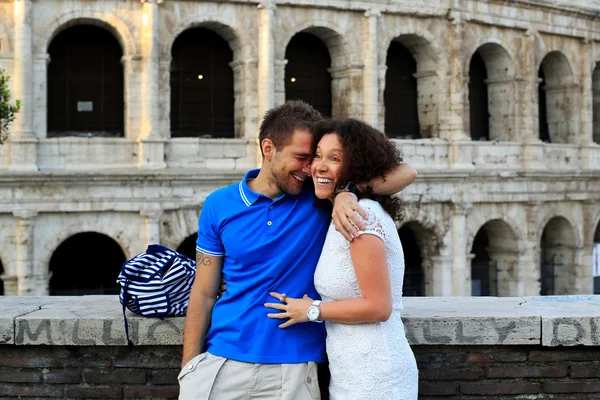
pixel 294 309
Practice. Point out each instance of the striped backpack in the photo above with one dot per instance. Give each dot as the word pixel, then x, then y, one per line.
pixel 156 283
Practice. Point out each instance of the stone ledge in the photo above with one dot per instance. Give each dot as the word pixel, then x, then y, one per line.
pixel 98 320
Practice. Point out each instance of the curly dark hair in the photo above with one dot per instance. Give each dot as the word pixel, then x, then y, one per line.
pixel 368 154
pixel 280 122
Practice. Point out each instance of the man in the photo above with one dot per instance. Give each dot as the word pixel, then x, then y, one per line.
pixel 263 235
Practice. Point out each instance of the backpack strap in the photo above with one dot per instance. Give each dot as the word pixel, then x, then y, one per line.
pixel 125 300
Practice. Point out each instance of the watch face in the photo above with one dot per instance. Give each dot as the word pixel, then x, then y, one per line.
pixel 313 313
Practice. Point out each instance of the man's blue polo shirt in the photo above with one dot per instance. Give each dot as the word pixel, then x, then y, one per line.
pixel 267 245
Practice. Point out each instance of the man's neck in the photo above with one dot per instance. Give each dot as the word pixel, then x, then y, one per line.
pixel 265 185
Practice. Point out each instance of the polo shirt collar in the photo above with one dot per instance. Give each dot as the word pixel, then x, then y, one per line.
pixel 248 196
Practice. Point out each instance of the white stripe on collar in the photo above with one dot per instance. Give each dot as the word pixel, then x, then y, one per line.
pixel 243 195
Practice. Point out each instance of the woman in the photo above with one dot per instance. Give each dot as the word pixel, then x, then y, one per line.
pixel 360 281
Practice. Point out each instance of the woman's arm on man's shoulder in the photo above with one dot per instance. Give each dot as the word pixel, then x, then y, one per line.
pixel 394 181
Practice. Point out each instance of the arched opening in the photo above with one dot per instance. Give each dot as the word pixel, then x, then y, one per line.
pixel 400 94
pixel 596 260
pixel 491 94
pixel 478 99
pixel 85 83
pixel 543 114
pixel 483 270
pixel 557 270
pixel 596 103
pixel 86 263
pixel 188 246
pixel 1 280
pixel 202 96
pixel 414 282
pixel 307 75
pixel 494 267
pixel 558 92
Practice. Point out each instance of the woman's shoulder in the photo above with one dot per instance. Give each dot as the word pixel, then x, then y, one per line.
pixel 371 205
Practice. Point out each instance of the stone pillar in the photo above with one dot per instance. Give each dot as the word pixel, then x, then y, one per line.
pixel 371 68
pixel 461 268
pixel 586 126
pixel 23 140
pixel 151 218
pixel 586 278
pixel 530 257
pixel 454 129
pixel 346 91
pixel 441 284
pixel 40 84
pixel 507 265
pixel 24 253
pixel 151 144
pixel 280 82
pixel 266 57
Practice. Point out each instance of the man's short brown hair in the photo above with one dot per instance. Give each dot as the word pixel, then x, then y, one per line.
pixel 280 122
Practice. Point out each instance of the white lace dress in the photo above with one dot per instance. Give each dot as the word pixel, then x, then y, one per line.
pixel 371 361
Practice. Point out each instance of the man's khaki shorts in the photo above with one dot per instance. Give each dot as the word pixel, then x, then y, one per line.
pixel 209 377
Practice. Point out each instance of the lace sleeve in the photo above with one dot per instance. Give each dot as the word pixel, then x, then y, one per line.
pixel 372 224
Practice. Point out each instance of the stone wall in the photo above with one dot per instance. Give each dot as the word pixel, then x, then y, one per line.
pixel 466 348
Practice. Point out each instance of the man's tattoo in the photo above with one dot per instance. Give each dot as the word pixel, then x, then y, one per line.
pixel 202 260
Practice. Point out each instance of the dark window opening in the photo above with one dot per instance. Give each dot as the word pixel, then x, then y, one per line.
pixel 188 246
pixel 85 84
pixel 414 284
pixel 86 263
pixel 543 115
pixel 202 98
pixel 483 270
pixel 1 281
pixel 400 95
pixel 478 99
pixel 306 74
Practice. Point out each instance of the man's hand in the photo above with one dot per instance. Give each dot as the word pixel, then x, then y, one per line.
pixel 344 219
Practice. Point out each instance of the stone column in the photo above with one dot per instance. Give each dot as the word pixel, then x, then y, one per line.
pixel 461 269
pixel 370 71
pixel 454 128
pixel 151 144
pixel 23 140
pixel 266 57
pixel 530 257
pixel 24 253
pixel 151 218
pixel 441 284
pixel 586 126
pixel 346 85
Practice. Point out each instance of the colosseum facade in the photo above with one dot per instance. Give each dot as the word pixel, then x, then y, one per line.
pixel 134 111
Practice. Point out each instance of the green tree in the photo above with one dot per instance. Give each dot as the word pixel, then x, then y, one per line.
pixel 7 110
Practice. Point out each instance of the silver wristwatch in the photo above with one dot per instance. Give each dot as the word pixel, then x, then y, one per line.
pixel 314 312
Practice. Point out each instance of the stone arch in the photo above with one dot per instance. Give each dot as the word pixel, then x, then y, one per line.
pixel 336 43
pixel 558 244
pixel 547 214
pixel 428 82
pixel 558 91
pixel 110 22
pixel 102 269
pixel 497 113
pixel 215 24
pixel 238 46
pixel 424 46
pixel 343 71
pixel 495 260
pixel 428 242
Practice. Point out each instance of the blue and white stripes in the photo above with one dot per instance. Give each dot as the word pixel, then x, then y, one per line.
pixel 156 283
